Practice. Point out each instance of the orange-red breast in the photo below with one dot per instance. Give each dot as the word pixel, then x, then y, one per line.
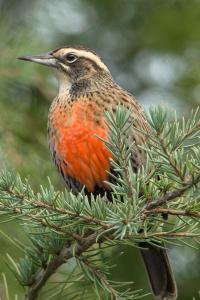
pixel 76 118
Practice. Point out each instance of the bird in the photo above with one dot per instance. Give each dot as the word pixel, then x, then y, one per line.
pixel 76 120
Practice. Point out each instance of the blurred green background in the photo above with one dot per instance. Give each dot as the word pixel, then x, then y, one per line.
pixel 152 48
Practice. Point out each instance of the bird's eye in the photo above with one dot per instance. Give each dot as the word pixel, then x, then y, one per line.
pixel 70 58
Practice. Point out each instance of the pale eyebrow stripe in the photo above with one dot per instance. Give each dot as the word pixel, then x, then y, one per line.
pixel 86 54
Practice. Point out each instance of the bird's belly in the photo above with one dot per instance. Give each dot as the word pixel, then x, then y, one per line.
pixel 81 155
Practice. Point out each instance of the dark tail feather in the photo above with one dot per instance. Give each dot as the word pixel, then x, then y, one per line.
pixel 159 272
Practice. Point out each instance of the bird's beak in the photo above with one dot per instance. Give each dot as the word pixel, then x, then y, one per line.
pixel 46 59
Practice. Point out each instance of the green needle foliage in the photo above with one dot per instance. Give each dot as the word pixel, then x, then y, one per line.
pixel 64 228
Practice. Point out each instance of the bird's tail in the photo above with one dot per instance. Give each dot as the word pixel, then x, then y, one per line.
pixel 159 272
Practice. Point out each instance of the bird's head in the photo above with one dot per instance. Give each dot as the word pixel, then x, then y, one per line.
pixel 72 63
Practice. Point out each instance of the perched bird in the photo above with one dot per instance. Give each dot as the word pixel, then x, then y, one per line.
pixel 76 118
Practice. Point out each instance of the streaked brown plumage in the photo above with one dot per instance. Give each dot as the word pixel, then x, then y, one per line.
pixel 76 117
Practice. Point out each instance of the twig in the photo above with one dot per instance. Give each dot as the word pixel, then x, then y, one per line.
pixel 175 212
pixel 190 132
pixel 165 234
pixel 102 278
pixel 65 254
pixel 88 219
pixel 171 161
pixel 39 204
pixel 171 195
pixel 45 223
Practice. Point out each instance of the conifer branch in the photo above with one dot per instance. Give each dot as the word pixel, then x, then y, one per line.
pixel 62 226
